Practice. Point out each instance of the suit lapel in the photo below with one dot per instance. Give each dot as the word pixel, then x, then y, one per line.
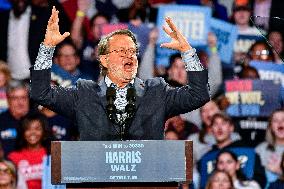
pixel 102 92
pixel 140 90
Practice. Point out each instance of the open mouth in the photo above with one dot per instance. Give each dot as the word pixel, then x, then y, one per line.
pixel 280 128
pixel 128 66
pixel 33 138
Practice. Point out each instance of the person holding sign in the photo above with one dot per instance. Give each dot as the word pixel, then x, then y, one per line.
pixel 120 106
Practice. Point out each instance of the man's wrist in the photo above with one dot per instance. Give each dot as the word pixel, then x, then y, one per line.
pixel 80 14
pixel 44 57
pixel 191 60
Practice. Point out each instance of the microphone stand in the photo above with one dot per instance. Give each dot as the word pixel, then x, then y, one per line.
pixel 129 110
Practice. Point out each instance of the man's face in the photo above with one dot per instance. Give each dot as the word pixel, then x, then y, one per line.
pixel 177 72
pixel 121 61
pixel 221 130
pixel 67 58
pixel 242 17
pixel 18 101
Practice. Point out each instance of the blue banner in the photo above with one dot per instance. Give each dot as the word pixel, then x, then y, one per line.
pixel 142 35
pixel 244 42
pixel 192 21
pixel 255 98
pixel 269 71
pixel 246 157
pixel 226 34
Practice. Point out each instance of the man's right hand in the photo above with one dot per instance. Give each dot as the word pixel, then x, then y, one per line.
pixel 52 35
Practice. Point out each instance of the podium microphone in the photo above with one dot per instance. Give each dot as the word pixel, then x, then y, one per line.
pixel 111 109
pixel 131 98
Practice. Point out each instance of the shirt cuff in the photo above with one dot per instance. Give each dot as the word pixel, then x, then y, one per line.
pixel 44 57
pixel 191 60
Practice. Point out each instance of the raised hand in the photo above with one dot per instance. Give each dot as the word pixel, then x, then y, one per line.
pixel 52 35
pixel 84 5
pixel 179 42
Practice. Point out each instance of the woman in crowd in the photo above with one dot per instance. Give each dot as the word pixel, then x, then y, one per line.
pixel 261 51
pixel 271 150
pixel 219 180
pixel 31 149
pixel 7 175
pixel 228 161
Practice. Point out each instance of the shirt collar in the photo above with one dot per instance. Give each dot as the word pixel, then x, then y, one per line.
pixel 109 82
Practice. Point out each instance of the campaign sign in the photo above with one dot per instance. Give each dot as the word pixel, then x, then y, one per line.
pixel 192 21
pixel 141 33
pixel 123 161
pixel 207 163
pixel 256 98
pixel 226 34
pixel 244 42
pixel 269 71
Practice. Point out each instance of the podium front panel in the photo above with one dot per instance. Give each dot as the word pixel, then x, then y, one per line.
pixel 121 161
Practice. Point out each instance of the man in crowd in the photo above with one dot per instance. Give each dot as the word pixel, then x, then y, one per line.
pixel 18 107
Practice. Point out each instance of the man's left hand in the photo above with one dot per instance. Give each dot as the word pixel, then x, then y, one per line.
pixel 179 42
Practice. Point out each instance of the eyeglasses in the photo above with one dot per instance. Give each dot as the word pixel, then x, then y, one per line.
pixel 122 52
pixel 18 97
pixel 260 52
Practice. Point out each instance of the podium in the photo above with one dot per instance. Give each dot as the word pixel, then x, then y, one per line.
pixel 153 164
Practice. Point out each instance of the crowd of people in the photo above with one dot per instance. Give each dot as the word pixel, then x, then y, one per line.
pixel 226 154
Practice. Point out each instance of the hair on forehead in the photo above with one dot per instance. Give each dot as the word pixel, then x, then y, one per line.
pixel 16 84
pixel 103 46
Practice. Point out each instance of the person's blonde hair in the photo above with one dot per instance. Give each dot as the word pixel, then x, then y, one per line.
pixel 11 167
pixel 6 71
pixel 270 136
pixel 212 176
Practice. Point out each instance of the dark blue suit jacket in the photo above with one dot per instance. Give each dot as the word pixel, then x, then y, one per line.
pixel 86 104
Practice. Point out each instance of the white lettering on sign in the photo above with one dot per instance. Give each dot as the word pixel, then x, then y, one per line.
pixel 191 24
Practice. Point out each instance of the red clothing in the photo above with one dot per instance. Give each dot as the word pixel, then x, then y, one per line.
pixel 29 164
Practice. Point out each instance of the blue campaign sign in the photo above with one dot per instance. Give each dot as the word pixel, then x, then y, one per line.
pixel 192 21
pixel 207 163
pixel 269 71
pixel 142 35
pixel 244 42
pixel 226 34
pixel 257 98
